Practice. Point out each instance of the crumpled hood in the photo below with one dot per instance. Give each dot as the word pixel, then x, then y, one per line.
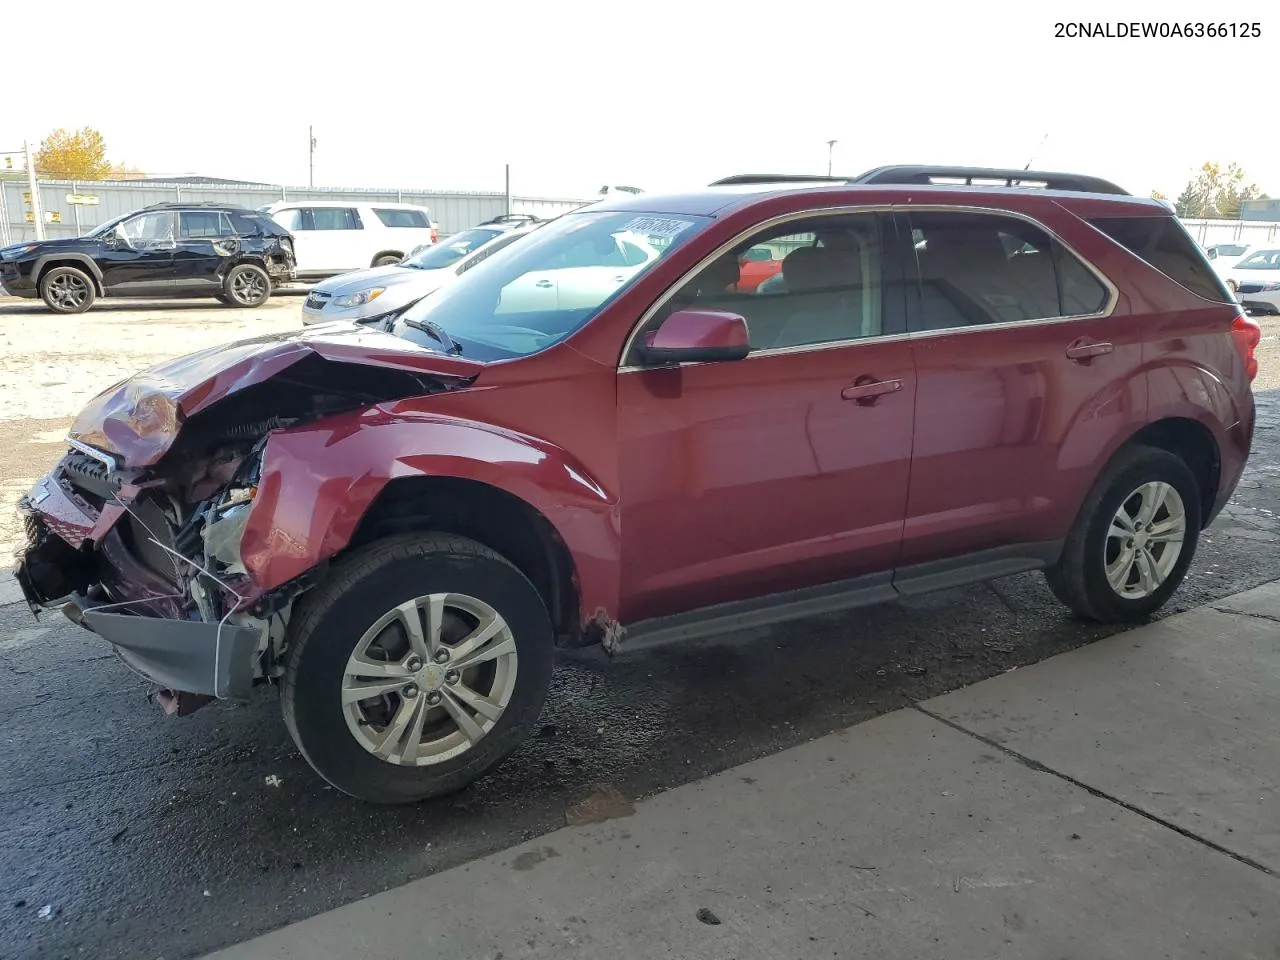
pixel 139 418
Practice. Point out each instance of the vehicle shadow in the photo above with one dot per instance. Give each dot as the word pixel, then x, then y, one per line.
pixel 147 305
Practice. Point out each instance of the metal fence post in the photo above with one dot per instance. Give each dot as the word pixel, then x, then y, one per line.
pixel 75 208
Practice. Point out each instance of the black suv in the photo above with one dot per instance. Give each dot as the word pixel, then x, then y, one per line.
pixel 168 249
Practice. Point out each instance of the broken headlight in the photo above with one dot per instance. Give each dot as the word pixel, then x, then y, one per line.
pixel 228 512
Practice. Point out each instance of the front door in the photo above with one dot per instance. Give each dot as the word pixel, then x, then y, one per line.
pixel 789 468
pixel 1022 379
pixel 138 256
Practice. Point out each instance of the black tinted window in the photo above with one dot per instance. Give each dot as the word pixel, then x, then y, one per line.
pixel 976 269
pixel 402 218
pixel 330 218
pixel 200 223
pixel 246 225
pixel 1164 243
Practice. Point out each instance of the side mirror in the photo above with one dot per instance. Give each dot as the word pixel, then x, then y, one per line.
pixel 697 336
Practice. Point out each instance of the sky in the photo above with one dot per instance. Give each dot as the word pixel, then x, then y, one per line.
pixel 574 95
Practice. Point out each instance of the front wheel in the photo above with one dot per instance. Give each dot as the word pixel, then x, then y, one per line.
pixel 1133 541
pixel 416 668
pixel 387 260
pixel 67 290
pixel 247 285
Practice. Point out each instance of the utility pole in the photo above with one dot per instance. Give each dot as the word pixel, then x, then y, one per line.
pixel 36 213
pixel 831 148
pixel 311 157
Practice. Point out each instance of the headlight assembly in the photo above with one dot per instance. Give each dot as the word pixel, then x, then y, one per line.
pixel 358 299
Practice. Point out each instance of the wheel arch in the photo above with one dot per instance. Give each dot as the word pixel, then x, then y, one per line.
pixel 78 260
pixel 399 255
pixel 1195 445
pixel 489 515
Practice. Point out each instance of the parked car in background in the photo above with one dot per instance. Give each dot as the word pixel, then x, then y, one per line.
pixel 1256 281
pixel 215 250
pixel 592 437
pixel 334 236
pixel 1223 257
pixel 755 267
pixel 367 296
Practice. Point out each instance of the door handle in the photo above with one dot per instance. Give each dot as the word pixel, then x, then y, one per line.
pixel 866 390
pixel 543 283
pixel 1082 351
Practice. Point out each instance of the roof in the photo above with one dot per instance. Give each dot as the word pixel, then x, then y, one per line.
pixel 198 205
pixel 883 185
pixel 364 202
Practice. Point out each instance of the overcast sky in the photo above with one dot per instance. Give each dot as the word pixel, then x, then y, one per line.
pixel 658 95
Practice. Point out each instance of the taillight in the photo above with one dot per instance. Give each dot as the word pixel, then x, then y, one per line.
pixel 1247 335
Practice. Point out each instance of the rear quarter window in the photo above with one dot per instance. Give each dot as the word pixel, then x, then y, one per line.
pixel 1164 243
pixel 402 218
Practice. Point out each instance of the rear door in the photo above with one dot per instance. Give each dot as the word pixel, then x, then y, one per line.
pixel 205 241
pixel 1023 377
pixel 787 469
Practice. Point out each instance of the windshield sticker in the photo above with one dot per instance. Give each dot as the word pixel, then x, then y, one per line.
pixel 657 227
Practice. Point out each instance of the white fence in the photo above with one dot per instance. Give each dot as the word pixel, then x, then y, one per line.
pixel 1208 232
pixel 452 210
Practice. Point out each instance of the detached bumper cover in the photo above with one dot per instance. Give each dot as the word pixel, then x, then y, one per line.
pixel 212 659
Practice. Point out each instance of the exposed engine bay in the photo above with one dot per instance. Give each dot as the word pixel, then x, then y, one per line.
pixel 149 556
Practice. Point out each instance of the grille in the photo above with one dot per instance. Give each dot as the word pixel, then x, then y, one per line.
pixel 316 301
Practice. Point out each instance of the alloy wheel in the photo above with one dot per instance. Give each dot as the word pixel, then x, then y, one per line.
pixel 68 291
pixel 247 287
pixel 429 679
pixel 1145 540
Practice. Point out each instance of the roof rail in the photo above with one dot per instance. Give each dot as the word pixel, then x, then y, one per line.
pixel 960 176
pixel 515 218
pixel 744 179
pixel 995 177
pixel 174 205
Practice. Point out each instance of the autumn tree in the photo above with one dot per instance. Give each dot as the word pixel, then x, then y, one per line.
pixel 68 155
pixel 1216 193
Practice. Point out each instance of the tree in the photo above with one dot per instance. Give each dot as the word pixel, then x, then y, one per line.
pixel 1216 193
pixel 78 155
pixel 122 171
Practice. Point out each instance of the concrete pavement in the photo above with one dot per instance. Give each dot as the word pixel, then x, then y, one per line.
pixel 1119 800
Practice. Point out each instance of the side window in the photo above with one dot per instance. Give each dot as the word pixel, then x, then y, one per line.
pixel 830 288
pixel 334 218
pixel 1165 244
pixel 243 225
pixel 197 224
pixel 402 218
pixel 979 269
pixel 150 231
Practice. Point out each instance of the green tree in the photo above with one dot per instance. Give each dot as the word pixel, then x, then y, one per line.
pixel 73 155
pixel 1217 193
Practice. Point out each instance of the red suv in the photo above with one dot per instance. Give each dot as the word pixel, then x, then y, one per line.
pixel 964 374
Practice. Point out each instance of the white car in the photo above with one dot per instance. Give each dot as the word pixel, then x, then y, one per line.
pixel 334 236
pixel 366 296
pixel 1224 257
pixel 1256 281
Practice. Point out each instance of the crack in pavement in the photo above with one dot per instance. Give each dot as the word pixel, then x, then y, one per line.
pixel 1245 613
pixel 1039 767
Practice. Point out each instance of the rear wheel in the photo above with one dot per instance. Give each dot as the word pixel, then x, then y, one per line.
pixel 1133 541
pixel 416 668
pixel 387 259
pixel 67 290
pixel 247 285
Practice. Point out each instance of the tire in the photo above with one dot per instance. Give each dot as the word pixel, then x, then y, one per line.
pixel 341 617
pixel 247 285
pixel 387 259
pixel 1080 578
pixel 223 299
pixel 67 290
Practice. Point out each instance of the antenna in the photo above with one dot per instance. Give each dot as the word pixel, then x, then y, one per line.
pixel 1037 151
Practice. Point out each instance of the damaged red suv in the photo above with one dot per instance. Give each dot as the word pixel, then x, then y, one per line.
pixel 961 374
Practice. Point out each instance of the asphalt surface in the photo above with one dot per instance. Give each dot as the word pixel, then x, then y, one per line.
pixel 151 837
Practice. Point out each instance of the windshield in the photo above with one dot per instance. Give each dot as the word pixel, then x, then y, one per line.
pixel 107 227
pixel 533 294
pixel 1262 260
pixel 450 250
